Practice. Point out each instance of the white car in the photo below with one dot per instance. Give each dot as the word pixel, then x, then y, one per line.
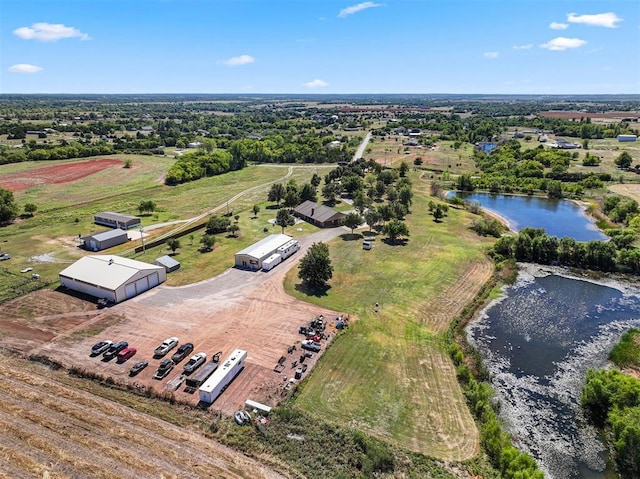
pixel 166 346
pixel 195 362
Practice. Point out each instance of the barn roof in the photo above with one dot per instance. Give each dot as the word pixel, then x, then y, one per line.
pixel 107 235
pixel 110 215
pixel 266 245
pixel 107 271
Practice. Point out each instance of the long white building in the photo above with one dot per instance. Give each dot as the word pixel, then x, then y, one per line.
pixel 253 256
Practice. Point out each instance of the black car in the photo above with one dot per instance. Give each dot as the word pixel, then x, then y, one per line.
pixel 137 367
pixel 113 351
pixel 182 352
pixel 101 347
pixel 166 365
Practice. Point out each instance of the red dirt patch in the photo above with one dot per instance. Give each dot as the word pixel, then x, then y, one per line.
pixel 582 114
pixel 60 173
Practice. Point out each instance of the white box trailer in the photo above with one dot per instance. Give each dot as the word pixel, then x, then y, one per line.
pixel 288 249
pixel 271 262
pixel 220 379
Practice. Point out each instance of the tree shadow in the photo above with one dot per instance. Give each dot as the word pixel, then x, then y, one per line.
pixel 397 242
pixel 370 234
pixel 317 292
pixel 272 207
pixel 350 236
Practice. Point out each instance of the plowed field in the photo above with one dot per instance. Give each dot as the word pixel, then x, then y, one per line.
pixel 49 429
pixel 56 173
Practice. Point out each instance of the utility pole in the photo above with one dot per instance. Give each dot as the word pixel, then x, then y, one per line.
pixel 142 238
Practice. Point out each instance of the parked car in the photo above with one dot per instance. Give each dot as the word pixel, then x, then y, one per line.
pixel 311 345
pixel 125 354
pixel 298 374
pixel 194 363
pixel 100 347
pixel 165 367
pixel 166 346
pixel 114 350
pixel 137 367
pixel 182 352
pixel 4 256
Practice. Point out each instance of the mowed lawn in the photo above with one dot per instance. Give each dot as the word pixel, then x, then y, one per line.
pixel 389 373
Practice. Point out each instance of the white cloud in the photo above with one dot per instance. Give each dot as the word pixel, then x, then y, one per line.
pixel 239 60
pixel 491 54
pixel 563 43
pixel 523 47
pixel 24 68
pixel 357 8
pixel 49 32
pixel 316 83
pixel 558 26
pixel 608 20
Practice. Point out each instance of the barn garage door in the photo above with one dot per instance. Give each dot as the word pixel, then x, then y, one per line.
pixel 154 280
pixel 130 290
pixel 142 285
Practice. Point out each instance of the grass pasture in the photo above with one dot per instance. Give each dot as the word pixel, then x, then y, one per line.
pixel 389 373
pixel 47 242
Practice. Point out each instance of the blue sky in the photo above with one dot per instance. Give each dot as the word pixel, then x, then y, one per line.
pixel 320 46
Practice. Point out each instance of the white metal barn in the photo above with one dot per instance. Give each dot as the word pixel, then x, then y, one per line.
pixel 112 277
pixel 253 256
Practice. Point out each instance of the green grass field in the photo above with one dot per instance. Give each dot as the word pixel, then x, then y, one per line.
pixel 48 241
pixel 389 373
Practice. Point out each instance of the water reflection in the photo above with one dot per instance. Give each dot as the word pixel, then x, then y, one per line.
pixel 558 217
pixel 538 342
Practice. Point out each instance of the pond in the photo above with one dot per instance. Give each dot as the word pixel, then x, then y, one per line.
pixel 538 342
pixel 558 217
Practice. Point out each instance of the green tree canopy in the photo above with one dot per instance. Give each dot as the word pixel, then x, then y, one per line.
pixel 352 221
pixel 284 218
pixel 315 267
pixel 8 206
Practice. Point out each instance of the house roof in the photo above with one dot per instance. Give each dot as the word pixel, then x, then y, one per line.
pixel 266 245
pixel 107 271
pixel 319 213
pixel 106 235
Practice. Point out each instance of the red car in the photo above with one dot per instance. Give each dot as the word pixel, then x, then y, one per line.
pixel 126 354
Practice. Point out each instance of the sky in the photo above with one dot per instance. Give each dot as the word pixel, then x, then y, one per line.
pixel 320 46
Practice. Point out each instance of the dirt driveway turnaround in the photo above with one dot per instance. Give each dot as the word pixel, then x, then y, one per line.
pixel 238 309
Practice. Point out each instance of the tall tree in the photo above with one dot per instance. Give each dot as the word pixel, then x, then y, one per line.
pixel 352 221
pixel 8 207
pixel 284 218
pixel 276 193
pixel 315 267
pixel 256 210
pixel 394 229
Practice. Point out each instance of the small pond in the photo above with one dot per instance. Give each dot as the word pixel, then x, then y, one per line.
pixel 538 342
pixel 558 217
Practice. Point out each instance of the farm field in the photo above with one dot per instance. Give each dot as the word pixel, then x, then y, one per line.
pixel 48 241
pixel 391 374
pixel 52 428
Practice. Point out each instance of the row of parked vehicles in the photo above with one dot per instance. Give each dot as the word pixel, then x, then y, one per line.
pixel 122 352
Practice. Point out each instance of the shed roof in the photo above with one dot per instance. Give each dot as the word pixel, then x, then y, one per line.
pixel 319 213
pixel 167 261
pixel 107 271
pixel 266 245
pixel 110 215
pixel 107 235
